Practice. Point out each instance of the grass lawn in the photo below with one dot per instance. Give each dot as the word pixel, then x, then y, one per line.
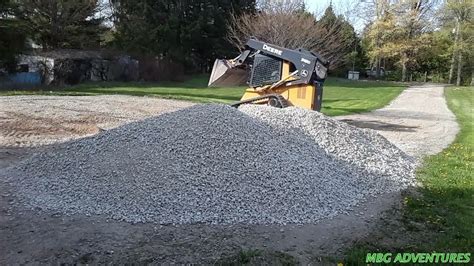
pixel 447 204
pixel 439 218
pixel 340 96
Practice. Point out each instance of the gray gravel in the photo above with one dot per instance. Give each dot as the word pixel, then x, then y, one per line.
pixel 418 121
pixel 216 164
pixel 364 149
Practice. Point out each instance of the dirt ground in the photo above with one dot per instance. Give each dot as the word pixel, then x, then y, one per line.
pixel 31 124
pixel 27 121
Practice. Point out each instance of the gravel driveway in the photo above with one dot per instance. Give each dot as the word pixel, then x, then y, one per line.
pixel 418 121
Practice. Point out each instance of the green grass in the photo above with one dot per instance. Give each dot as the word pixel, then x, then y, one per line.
pixel 340 96
pixel 258 257
pixel 343 97
pixel 447 204
pixel 439 216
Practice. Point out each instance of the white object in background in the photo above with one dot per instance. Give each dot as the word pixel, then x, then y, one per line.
pixel 353 75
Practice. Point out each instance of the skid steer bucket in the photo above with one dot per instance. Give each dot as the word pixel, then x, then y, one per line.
pixel 225 74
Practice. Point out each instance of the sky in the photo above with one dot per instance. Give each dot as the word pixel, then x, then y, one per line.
pixel 315 5
pixel 344 7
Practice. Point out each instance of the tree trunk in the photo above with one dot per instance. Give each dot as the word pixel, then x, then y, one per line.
pixel 426 74
pixel 451 68
pixel 472 76
pixel 455 51
pixel 377 69
pixel 404 71
pixel 458 80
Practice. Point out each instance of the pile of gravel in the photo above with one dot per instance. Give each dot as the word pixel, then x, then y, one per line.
pixel 364 149
pixel 216 164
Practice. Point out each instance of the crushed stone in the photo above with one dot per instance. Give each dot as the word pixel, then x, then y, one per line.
pixel 219 165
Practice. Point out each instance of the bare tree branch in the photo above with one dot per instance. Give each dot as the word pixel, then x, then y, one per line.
pixel 285 23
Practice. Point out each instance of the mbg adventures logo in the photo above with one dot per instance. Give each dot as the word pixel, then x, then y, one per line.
pixel 418 258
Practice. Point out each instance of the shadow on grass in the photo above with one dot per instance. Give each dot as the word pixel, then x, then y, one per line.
pixel 340 100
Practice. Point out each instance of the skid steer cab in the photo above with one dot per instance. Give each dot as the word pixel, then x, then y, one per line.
pixel 276 76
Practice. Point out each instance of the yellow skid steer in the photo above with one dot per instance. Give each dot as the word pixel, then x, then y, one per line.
pixel 276 76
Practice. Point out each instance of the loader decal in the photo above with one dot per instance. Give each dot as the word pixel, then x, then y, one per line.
pixel 272 50
pixel 306 61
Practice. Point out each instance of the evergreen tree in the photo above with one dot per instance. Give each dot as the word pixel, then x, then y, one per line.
pixel 189 31
pixel 12 35
pixel 61 23
pixel 346 36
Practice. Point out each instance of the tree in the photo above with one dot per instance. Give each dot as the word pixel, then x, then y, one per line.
pixel 434 58
pixel 190 32
pixel 399 31
pixel 378 30
pixel 461 12
pixel 345 34
pixel 287 24
pixel 413 23
pixel 62 23
pixel 13 37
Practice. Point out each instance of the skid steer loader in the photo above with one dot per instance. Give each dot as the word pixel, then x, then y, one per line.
pixel 276 76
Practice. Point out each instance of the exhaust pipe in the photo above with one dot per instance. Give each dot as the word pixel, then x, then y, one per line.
pixel 224 74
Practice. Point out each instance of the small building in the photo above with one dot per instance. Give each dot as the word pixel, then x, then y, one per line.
pixel 67 66
pixel 353 75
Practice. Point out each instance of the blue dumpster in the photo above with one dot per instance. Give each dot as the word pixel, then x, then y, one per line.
pixel 33 78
